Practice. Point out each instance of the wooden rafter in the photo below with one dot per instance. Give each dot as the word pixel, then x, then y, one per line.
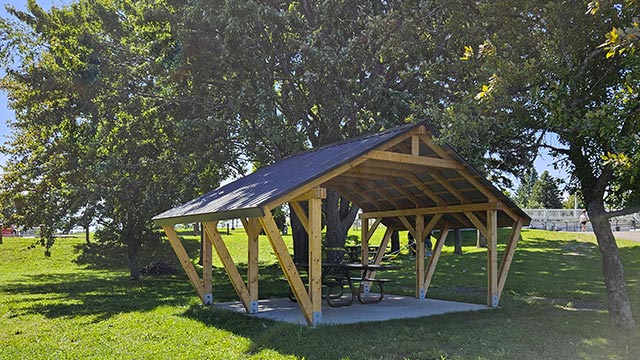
pixel 406 193
pixel 447 185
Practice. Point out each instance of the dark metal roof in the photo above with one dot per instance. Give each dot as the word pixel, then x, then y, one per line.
pixel 373 185
pixel 247 195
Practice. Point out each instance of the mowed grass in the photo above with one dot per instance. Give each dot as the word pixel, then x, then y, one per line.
pixel 79 303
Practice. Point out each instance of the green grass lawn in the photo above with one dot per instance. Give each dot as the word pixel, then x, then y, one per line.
pixel 79 303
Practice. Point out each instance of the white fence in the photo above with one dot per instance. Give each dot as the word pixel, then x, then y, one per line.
pixel 567 220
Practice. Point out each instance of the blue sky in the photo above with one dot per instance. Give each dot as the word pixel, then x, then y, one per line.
pixel 543 162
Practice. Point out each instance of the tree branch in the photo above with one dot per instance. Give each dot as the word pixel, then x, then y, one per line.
pixel 623 212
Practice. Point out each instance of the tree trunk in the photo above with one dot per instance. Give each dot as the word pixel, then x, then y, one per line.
pixel 620 314
pixel 395 241
pixel 457 242
pixel 300 238
pixel 481 241
pixel 132 235
pixel 86 235
pixel 339 216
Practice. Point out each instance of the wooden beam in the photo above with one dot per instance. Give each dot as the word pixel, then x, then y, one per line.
pixel 432 224
pixel 302 215
pixel 407 224
pixel 229 266
pixel 406 193
pixel 414 160
pixel 492 258
pixel 415 145
pixel 479 185
pixel 435 256
pixel 287 265
pixel 186 263
pixel 253 235
pixel 373 228
pixel 420 235
pixel 478 224
pixel 207 268
pixel 364 243
pixel 442 181
pixel 315 193
pixel 433 210
pixel 315 258
pixel 507 257
pixel 381 250
pixel 435 147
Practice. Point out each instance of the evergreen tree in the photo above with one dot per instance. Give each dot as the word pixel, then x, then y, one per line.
pixel 523 193
pixel 546 193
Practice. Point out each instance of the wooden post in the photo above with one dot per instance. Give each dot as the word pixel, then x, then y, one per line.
pixel 508 255
pixel 433 260
pixel 364 242
pixel 492 258
pixel 229 266
pixel 207 267
pixel 315 258
pixel 419 238
pixel 287 265
pixel 187 265
pixel 252 228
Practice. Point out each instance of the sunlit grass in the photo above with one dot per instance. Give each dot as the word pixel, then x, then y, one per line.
pixel 79 303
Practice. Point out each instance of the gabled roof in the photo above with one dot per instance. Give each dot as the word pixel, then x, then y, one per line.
pixel 377 172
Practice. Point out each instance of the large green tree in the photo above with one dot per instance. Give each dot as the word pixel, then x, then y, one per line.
pixel 98 130
pixel 547 75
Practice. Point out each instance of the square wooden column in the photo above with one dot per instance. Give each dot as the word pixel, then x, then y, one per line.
pixel 315 257
pixel 252 228
pixel 421 292
pixel 207 267
pixel 492 258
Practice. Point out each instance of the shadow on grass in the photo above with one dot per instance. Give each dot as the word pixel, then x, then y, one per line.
pixel 102 294
pixel 97 295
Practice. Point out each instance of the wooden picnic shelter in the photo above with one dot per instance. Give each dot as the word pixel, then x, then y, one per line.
pixel 401 178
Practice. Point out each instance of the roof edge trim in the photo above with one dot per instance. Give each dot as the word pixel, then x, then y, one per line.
pixel 254 212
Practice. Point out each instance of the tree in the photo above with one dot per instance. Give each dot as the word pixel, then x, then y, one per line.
pixel 97 132
pixel 546 192
pixel 547 64
pixel 523 193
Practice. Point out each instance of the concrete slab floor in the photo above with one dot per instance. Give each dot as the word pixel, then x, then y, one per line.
pixel 392 307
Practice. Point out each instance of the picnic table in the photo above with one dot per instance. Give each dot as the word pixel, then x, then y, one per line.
pixel 356 277
pixel 353 251
pixel 364 278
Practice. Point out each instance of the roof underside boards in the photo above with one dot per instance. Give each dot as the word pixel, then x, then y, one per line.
pixel 246 196
pixel 384 181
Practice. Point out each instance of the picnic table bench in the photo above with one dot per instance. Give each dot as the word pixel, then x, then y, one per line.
pixel 337 277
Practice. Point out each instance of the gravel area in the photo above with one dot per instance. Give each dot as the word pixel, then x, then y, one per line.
pixel 627 235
